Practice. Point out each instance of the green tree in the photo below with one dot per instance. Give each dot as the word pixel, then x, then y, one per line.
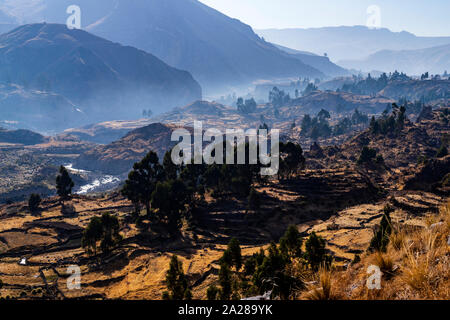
pixel 442 151
pixel 92 234
pixel 111 236
pixel 323 115
pixel 64 183
pixel 225 281
pixel 142 180
pixel 104 229
pixel 291 243
pixel 310 88
pixel 176 282
pixel 171 170
pixel 34 202
pixel 170 198
pixel 233 256
pixel 380 239
pixel 212 292
pixel 254 200
pixel 315 252
pixel 131 190
pixel 292 159
pixel 367 155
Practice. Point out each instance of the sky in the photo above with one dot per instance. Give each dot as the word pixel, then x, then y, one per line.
pixel 421 17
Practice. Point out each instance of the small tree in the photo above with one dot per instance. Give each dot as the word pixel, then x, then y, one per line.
pixel 292 159
pixel 315 251
pixel 111 236
pixel 291 243
pixel 235 253
pixel 170 198
pixel 91 235
pixel 254 200
pixel 442 152
pixel 176 282
pixel 367 155
pixel 225 281
pixel 142 180
pixel 131 191
pixel 212 292
pixel 380 239
pixel 64 183
pixel 33 202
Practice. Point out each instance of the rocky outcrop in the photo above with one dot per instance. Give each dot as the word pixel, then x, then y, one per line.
pixel 118 157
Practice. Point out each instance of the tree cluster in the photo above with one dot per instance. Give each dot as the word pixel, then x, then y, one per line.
pixel 247 106
pixel 278 98
pixel 268 270
pixel 389 123
pixel 104 229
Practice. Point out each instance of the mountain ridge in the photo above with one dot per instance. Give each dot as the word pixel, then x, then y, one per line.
pixel 348 42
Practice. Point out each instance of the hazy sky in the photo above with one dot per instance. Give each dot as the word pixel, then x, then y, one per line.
pixel 421 17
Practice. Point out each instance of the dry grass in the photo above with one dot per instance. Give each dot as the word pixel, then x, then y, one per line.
pixel 420 258
pixel 322 291
pixel 384 261
pixel 397 239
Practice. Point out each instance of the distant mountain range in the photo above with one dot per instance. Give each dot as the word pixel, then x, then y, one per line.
pixel 434 60
pixel 321 63
pixel 218 50
pixel 349 43
pixel 93 76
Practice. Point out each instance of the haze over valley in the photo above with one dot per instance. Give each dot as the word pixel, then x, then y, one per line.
pixel 89 105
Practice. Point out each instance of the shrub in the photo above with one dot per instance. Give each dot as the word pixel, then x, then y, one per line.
pixel 33 202
pixel 212 293
pixel 380 240
pixel 442 152
pixel 254 201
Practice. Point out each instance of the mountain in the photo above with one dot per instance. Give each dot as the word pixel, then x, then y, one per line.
pixel 434 60
pixel 98 76
pixel 187 34
pixel 349 43
pixel 24 137
pixel 321 63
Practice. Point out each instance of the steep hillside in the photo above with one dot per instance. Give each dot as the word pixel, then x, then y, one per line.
pixel 99 76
